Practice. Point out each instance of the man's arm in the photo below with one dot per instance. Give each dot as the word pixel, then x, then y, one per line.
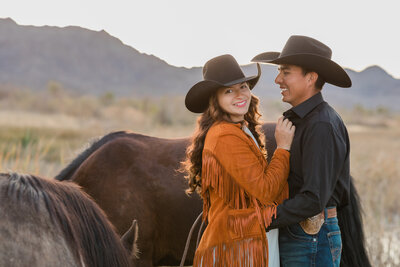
pixel 323 156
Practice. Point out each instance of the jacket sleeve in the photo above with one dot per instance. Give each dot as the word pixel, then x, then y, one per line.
pixel 264 182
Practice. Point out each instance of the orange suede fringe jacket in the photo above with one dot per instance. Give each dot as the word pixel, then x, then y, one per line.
pixel 240 193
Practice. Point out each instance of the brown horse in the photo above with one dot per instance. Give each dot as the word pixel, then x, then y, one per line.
pixel 134 176
pixel 48 223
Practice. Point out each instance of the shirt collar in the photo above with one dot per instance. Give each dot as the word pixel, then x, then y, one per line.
pixel 304 108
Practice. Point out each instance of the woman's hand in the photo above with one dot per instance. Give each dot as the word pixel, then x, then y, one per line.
pixel 284 133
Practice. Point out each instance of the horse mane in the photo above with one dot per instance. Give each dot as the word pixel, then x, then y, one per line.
pixel 68 171
pixel 84 225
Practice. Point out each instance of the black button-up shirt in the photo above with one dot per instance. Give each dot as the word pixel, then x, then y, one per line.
pixel 319 162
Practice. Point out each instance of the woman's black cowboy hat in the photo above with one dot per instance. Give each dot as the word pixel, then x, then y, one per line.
pixel 311 54
pixel 221 71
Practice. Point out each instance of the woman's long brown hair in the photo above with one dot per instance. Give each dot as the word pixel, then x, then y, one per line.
pixel 193 163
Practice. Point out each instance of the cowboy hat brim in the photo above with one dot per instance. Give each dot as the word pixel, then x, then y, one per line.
pixel 198 96
pixel 330 71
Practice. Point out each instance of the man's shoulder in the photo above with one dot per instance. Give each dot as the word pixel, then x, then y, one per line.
pixel 326 115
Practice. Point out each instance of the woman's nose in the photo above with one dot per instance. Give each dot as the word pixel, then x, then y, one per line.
pixel 238 93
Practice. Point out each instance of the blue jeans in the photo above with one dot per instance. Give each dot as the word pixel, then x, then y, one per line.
pixel 299 249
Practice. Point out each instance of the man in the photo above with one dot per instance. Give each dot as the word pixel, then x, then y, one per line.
pixel 319 179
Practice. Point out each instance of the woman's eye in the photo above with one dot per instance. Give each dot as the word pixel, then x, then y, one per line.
pixel 228 91
pixel 243 86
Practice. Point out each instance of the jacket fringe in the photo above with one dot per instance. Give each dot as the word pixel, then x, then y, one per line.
pixel 227 188
pixel 231 254
pixel 241 224
pixel 265 214
pixel 215 176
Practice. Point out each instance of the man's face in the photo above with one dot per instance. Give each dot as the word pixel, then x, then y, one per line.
pixel 295 86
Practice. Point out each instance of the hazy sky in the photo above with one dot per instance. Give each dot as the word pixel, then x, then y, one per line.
pixel 188 33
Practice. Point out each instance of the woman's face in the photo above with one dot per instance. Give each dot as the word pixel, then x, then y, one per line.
pixel 235 100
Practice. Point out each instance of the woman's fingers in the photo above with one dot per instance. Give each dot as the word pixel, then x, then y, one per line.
pixel 279 122
pixel 285 124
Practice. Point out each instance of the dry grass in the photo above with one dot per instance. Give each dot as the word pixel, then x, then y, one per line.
pixel 40 133
pixel 375 165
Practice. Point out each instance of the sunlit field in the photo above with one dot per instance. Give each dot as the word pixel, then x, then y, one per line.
pixel 42 132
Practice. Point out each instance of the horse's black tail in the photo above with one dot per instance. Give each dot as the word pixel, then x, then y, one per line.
pixel 68 171
pixel 354 253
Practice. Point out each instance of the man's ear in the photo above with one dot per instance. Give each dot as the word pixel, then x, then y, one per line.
pixel 312 77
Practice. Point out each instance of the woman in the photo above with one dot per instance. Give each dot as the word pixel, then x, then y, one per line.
pixel 226 162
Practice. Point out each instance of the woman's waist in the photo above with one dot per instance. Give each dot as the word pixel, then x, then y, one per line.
pixel 238 223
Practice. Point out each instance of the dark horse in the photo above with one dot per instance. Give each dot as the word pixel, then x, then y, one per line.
pixel 48 223
pixel 134 176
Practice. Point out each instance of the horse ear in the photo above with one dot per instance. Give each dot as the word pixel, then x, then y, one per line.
pixel 129 240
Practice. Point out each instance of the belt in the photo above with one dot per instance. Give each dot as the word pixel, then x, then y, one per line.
pixel 331 212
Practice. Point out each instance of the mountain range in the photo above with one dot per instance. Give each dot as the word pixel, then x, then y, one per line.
pixel 93 62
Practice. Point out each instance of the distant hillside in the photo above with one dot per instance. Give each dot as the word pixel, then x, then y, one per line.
pixel 91 62
pixel 84 61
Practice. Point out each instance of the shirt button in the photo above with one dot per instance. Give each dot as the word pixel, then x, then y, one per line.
pixel 314 239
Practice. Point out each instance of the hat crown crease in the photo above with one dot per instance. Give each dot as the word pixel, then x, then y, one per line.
pixel 222 70
pixel 305 45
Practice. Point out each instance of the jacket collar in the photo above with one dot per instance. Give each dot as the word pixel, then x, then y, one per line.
pixel 237 124
pixel 250 140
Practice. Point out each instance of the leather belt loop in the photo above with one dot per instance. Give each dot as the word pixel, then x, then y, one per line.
pixel 330 212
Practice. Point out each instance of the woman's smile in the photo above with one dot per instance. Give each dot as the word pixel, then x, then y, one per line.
pixel 241 104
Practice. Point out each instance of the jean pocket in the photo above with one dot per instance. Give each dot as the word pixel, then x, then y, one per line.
pixel 296 232
pixel 335 244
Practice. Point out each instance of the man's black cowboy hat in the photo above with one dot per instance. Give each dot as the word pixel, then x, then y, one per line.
pixel 311 54
pixel 221 71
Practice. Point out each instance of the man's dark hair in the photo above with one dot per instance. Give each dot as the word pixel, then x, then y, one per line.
pixel 320 81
